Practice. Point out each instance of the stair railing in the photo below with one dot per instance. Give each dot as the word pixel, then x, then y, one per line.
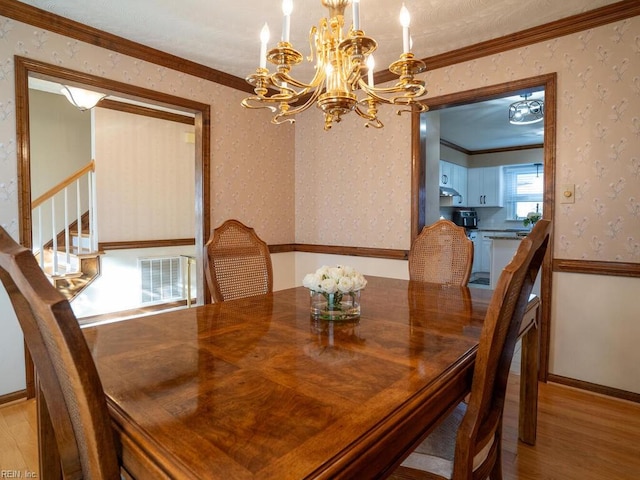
pixel 83 181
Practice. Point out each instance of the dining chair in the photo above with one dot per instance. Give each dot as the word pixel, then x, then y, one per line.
pixel 237 262
pixel 67 376
pixel 442 253
pixel 467 443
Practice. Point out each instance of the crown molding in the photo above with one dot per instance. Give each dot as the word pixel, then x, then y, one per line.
pixel 37 17
pixel 565 26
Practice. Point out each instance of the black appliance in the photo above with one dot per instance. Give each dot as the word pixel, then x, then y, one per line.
pixel 465 218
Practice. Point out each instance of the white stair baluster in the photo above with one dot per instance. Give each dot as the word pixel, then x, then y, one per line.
pixel 55 236
pixel 66 232
pixel 40 246
pixel 79 215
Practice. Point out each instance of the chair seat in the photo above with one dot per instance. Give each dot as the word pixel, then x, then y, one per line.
pixel 436 453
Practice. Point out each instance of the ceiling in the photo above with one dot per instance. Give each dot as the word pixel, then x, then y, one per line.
pixel 225 35
pixel 485 125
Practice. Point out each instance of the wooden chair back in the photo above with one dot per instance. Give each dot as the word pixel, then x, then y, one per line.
pixel 237 263
pixel 482 423
pixel 67 375
pixel 442 253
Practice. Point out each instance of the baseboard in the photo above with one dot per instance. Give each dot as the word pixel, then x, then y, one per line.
pixel 12 397
pixel 594 387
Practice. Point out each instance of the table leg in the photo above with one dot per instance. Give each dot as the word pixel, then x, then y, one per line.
pixel 529 365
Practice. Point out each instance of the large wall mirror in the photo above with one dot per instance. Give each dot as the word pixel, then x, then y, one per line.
pixel 468 135
pixel 32 80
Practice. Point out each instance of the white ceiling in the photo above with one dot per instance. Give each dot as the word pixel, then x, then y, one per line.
pixel 485 125
pixel 225 35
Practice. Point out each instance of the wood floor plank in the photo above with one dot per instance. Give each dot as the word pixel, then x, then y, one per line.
pixel 581 436
pixel 18 440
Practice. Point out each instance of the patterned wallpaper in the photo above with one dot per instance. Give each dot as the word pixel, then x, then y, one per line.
pixel 251 160
pixel 351 186
pixel 357 191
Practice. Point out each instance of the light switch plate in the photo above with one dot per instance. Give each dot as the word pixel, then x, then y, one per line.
pixel 568 194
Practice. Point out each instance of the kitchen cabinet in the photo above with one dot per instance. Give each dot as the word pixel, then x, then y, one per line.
pixel 454 176
pixel 502 252
pixel 484 187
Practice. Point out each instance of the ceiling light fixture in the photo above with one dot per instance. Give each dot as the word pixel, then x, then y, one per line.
pixel 524 112
pixel 81 98
pixel 344 65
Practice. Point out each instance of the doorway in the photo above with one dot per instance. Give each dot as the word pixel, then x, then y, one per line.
pixel 26 68
pixel 425 172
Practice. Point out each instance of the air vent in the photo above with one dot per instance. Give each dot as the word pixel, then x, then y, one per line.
pixel 161 279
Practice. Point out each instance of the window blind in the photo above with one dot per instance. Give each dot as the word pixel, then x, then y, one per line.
pixel 524 190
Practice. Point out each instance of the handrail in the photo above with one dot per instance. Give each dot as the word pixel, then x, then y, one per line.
pixel 89 167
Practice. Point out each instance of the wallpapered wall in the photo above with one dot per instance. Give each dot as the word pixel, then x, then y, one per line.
pixel 143 164
pixel 357 192
pixel 251 160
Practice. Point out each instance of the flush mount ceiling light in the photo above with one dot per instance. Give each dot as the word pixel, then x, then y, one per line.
pixel 526 111
pixel 81 98
pixel 343 80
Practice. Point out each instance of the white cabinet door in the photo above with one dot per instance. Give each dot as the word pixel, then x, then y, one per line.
pixel 446 169
pixel 477 241
pixel 459 177
pixel 454 176
pixel 484 187
pixel 492 184
pixel 482 252
pixel 485 255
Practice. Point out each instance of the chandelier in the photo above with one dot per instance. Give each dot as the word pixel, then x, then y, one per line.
pixel 524 112
pixel 343 78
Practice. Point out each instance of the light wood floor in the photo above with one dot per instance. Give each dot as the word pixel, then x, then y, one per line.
pixel 19 440
pixel 581 436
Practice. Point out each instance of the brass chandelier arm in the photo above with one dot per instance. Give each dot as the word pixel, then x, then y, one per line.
pixel 286 112
pixel 259 103
pixel 413 88
pixel 371 115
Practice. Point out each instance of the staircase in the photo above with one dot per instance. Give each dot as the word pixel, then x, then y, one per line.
pixel 75 273
pixel 70 259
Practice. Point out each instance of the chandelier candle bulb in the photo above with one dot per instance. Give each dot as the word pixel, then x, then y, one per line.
pixel 405 21
pixel 264 39
pixel 371 63
pixel 356 14
pixel 287 8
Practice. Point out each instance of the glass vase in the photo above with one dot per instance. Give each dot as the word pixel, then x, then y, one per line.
pixel 335 306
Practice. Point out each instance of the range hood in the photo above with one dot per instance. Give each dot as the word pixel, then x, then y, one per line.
pixel 448 192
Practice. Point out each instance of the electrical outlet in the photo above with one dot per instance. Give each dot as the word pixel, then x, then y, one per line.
pixel 568 194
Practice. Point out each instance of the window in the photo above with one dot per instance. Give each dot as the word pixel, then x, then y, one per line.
pixel 524 190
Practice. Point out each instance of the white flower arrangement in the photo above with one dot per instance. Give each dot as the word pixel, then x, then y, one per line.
pixel 340 279
pixel 335 292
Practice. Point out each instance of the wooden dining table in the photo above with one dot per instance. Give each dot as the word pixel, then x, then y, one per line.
pixel 256 388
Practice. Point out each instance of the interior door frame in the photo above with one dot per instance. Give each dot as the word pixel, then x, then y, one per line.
pixel 26 67
pixel 418 166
